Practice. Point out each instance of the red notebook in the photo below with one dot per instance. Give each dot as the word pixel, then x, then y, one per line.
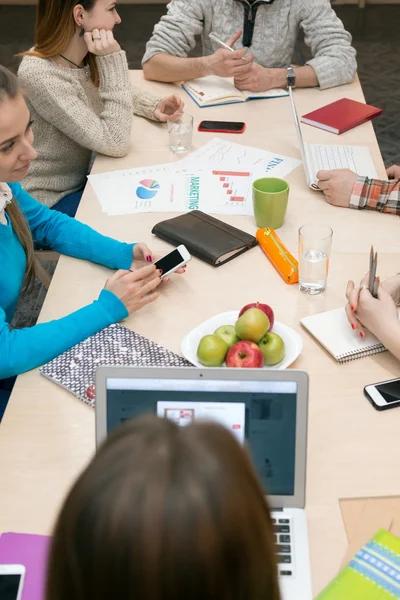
pixel 341 115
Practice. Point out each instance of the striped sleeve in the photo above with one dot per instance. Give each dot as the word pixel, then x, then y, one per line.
pixel 375 194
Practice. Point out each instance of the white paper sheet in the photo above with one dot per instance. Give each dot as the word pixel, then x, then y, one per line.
pixel 162 189
pixel 222 153
pixel 216 179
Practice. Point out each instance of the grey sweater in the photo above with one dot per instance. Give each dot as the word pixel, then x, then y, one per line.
pixel 72 119
pixel 275 34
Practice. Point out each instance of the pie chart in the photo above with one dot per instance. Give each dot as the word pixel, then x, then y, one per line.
pixel 147 189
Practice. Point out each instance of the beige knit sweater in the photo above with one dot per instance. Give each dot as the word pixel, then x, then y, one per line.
pixel 72 119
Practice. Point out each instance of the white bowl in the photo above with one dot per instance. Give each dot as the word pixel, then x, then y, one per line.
pixel 189 345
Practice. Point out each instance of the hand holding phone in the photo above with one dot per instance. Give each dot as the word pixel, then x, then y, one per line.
pixel 11 581
pixel 222 126
pixel 173 261
pixel 384 395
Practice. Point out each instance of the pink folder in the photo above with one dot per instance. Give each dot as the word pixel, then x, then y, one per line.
pixel 30 551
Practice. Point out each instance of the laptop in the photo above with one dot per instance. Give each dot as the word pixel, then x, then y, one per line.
pixel 318 157
pixel 266 409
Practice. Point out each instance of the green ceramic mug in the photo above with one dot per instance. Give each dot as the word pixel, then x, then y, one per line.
pixel 270 199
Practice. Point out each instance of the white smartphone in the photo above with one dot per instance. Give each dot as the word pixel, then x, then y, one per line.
pixel 11 581
pixel 173 261
pixel 384 395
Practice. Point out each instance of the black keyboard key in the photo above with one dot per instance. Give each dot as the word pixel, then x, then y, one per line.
pixel 273 521
pixel 283 549
pixel 284 539
pixel 283 559
pixel 281 529
pixel 285 573
pixel 283 521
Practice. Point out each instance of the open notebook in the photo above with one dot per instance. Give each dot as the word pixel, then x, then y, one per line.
pixel 333 331
pixel 213 90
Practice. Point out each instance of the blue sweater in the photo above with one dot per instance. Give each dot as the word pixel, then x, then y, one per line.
pixel 24 349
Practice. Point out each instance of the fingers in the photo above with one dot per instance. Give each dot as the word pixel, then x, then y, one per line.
pixel 89 41
pixel 234 38
pixel 110 36
pixel 391 172
pixel 147 299
pixel 103 37
pixel 148 287
pixel 142 251
pixel 323 175
pixel 354 322
pixel 140 274
pixel 323 184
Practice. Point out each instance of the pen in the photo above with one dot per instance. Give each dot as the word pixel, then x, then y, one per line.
pixel 214 37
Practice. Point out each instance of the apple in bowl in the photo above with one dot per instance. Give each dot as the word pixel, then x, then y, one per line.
pixel 245 355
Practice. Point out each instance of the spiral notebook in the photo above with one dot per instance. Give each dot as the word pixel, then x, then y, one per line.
pixel 333 331
pixel 75 369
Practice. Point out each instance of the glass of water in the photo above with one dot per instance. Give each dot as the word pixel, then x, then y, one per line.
pixel 180 133
pixel 315 243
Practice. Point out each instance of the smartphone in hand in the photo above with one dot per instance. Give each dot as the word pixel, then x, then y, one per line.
pixel 173 261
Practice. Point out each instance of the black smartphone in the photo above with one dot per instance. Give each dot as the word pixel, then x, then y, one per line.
pixel 384 395
pixel 222 126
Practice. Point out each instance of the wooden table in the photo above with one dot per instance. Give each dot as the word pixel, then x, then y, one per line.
pixel 47 436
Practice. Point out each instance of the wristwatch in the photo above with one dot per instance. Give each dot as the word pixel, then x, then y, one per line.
pixel 290 78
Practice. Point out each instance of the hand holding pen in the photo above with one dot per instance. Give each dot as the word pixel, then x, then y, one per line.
pixel 228 62
pixel 370 306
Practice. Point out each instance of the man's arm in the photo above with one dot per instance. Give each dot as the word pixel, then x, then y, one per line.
pixel 261 79
pixel 334 59
pixel 375 194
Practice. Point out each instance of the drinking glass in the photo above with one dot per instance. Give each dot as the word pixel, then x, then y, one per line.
pixel 315 243
pixel 180 133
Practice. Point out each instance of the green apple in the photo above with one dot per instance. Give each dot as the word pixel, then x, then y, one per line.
pixel 252 325
pixel 273 348
pixel 211 351
pixel 228 334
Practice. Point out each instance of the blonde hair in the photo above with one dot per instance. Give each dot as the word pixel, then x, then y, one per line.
pixel 55 27
pixel 9 88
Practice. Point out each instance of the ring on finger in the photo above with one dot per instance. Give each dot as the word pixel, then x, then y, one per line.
pixel 364 287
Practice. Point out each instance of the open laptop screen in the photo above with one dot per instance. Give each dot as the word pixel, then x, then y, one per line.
pixel 261 414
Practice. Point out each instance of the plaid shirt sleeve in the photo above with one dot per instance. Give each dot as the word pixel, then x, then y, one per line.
pixel 375 194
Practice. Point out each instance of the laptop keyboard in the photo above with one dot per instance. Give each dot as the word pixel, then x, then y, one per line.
pixel 282 528
pixel 330 157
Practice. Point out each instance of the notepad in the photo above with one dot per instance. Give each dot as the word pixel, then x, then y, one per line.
pixel 333 331
pixel 372 574
pixel 75 369
pixel 213 91
pixel 341 115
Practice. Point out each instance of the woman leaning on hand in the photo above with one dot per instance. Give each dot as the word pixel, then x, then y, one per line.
pixel 80 97
pixel 23 220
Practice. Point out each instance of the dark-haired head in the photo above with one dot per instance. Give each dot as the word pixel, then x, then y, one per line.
pixel 165 513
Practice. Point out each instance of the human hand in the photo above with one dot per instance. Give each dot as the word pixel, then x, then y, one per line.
pixel 135 289
pixel 169 108
pixel 101 42
pixel 257 79
pixel 142 255
pixel 337 185
pixel 366 312
pixel 393 172
pixel 225 63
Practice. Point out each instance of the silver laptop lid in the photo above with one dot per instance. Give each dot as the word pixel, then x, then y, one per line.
pixel 300 138
pixel 267 409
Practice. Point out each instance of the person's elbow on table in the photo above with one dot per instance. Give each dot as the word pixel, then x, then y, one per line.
pixel 337 186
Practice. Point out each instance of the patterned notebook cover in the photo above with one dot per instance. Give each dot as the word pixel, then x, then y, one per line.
pixel 115 345
pixel 372 574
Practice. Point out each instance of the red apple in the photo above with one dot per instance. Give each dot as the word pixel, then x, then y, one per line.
pixel 264 307
pixel 245 355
